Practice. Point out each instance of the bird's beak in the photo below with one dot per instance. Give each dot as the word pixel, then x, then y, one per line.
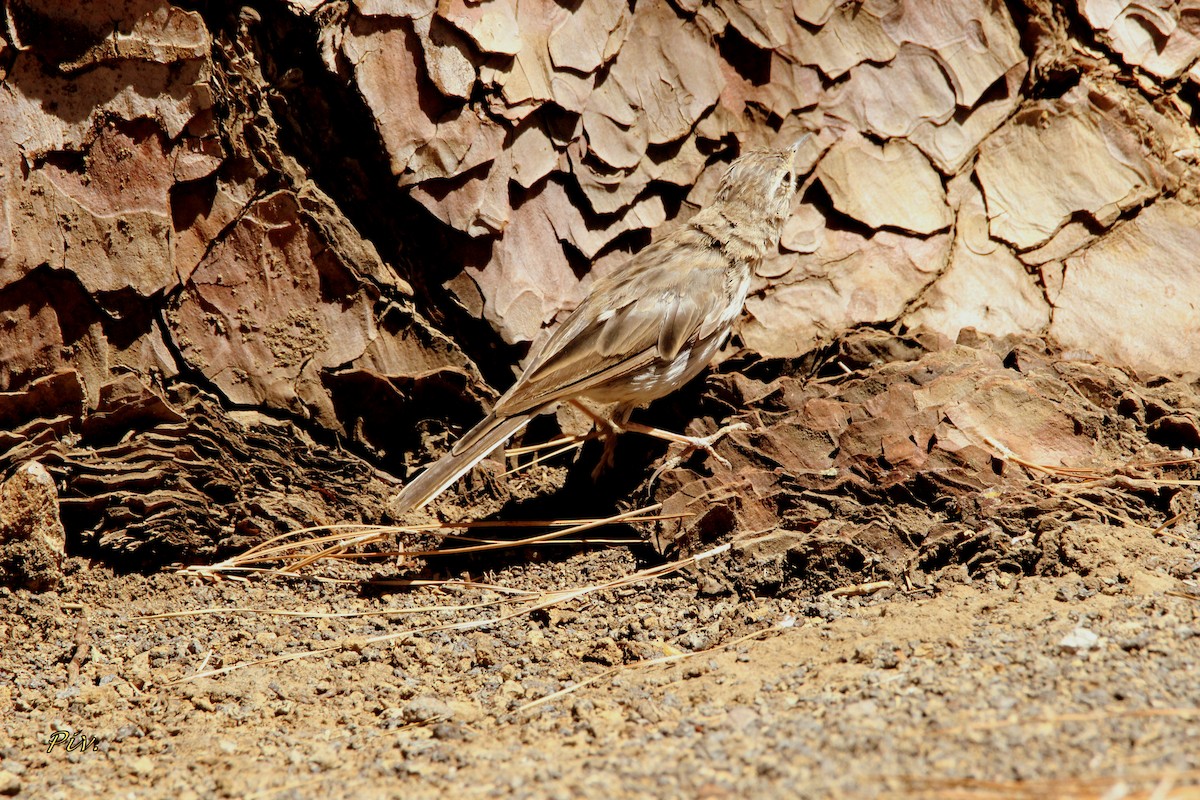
pixel 794 149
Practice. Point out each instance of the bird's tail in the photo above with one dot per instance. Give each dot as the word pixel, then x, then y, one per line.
pixel 468 451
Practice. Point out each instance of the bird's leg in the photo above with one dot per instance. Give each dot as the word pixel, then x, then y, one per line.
pixel 607 430
pixel 690 443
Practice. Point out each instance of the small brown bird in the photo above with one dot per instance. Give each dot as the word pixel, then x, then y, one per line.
pixel 647 328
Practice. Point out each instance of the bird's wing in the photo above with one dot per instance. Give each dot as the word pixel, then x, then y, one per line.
pixel 648 311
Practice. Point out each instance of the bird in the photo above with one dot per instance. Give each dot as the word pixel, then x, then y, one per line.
pixel 646 328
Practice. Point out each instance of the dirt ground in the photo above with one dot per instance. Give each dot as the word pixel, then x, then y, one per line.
pixel 1034 687
pixel 941 616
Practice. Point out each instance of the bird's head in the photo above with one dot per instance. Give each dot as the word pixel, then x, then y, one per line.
pixel 760 183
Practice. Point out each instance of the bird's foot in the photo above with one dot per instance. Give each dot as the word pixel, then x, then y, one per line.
pixel 607 432
pixel 690 444
pixel 707 444
pixel 608 429
pixel 605 429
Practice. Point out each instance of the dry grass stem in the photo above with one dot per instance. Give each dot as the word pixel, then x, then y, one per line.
pixel 1119 477
pixel 335 542
pixel 571 441
pixel 861 589
pixel 528 605
pixel 570 445
pixel 278 612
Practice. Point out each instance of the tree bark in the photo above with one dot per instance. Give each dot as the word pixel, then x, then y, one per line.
pixel 251 256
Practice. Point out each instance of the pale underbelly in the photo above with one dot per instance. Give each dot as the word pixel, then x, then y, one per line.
pixel 661 377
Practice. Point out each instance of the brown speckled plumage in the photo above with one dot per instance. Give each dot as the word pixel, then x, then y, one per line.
pixel 648 327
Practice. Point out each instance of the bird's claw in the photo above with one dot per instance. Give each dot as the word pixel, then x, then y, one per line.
pixel 608 458
pixel 707 444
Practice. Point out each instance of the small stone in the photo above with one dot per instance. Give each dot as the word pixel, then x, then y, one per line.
pixel 425 708
pixel 128 731
pixel 10 784
pixel 450 731
pixel 741 717
pixel 32 537
pixel 606 652
pixel 886 657
pixel 1079 640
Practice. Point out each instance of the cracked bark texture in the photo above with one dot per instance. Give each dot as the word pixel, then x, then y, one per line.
pixel 343 215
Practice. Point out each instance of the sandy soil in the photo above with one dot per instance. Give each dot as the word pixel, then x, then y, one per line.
pixel 1079 685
